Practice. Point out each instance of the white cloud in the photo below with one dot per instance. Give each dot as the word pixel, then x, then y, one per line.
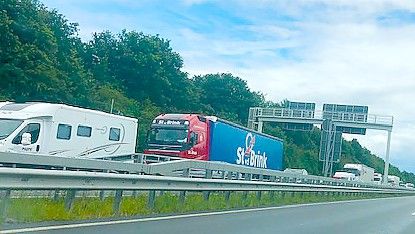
pixel 343 62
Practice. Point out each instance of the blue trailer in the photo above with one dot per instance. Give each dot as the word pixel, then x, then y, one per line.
pixel 235 144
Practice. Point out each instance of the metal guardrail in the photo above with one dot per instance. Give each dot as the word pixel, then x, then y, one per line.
pixel 23 172
pixel 178 168
pixel 73 181
pixel 39 179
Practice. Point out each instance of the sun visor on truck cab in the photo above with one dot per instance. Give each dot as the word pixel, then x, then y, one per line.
pixel 212 118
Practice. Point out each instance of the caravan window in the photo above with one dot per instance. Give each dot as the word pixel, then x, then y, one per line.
pixel 64 131
pixel 33 129
pixel 84 131
pixel 7 127
pixel 114 134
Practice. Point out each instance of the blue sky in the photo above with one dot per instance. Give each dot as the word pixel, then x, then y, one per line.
pixel 324 51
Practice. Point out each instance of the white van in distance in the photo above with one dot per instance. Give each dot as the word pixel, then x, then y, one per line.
pixel 377 178
pixel 362 172
pixel 66 131
pixel 343 175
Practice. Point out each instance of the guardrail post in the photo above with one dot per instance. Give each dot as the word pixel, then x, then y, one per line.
pixel 227 197
pixel 134 194
pixel 151 199
pixel 272 194
pixel 229 177
pixel 206 194
pixel 182 197
pixel 248 176
pixel 186 172
pixel 69 199
pixel 56 195
pixel 208 174
pixel 244 195
pixel 258 195
pixel 4 201
pixel 102 195
pixel 117 202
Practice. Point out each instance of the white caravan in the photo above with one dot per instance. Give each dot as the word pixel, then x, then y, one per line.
pixel 362 172
pixel 393 180
pixel 66 131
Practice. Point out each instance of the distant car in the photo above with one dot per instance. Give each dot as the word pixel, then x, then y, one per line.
pixel 296 171
pixel 409 185
pixel 344 175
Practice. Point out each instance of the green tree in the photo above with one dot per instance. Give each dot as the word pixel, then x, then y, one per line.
pixel 37 57
pixel 144 65
pixel 226 95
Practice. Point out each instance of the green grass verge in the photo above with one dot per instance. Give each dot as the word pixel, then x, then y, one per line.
pixel 46 209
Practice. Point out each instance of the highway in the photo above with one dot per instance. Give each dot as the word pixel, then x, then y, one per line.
pixel 391 215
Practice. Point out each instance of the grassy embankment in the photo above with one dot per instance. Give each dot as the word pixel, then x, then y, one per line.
pixel 45 209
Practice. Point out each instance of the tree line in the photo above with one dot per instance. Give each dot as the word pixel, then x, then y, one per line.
pixel 42 58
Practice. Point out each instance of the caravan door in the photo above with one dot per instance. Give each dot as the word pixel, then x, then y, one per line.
pixel 29 138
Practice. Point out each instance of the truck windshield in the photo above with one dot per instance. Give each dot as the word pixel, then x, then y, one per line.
pixel 354 171
pixel 7 126
pixel 168 136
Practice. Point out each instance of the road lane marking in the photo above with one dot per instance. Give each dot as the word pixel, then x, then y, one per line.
pixel 102 223
pixel 413 214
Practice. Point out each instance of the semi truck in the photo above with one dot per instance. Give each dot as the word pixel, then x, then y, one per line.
pixel 195 136
pixel 63 130
pixel 362 172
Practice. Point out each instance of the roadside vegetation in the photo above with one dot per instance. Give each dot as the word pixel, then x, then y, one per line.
pixel 42 58
pixel 46 209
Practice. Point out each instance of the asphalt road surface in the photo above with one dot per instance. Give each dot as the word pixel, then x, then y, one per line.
pixel 391 215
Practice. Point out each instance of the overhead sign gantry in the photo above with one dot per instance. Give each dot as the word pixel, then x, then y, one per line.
pixel 334 120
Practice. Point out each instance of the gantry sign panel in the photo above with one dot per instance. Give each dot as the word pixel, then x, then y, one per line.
pixel 298 110
pixel 347 113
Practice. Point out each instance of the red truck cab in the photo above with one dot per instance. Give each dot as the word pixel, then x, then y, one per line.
pixel 180 135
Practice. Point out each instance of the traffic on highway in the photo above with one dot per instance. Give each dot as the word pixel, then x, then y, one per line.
pixel 206 116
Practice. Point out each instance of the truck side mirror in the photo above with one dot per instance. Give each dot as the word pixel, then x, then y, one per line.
pixel 193 139
pixel 26 139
